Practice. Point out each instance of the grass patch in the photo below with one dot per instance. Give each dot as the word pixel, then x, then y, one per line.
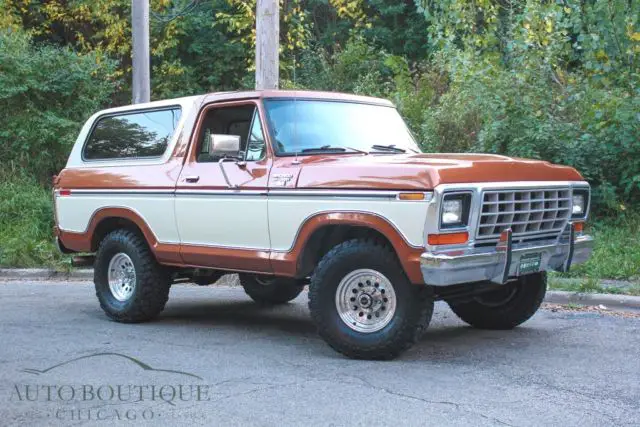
pixel 573 306
pixel 591 285
pixel 617 250
pixel 26 225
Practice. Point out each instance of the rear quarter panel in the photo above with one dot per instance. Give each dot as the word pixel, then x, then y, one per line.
pixel 144 186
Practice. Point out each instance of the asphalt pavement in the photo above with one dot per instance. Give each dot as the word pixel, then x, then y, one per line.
pixel 216 358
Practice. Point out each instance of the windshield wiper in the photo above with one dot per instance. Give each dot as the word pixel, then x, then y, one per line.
pixel 322 149
pixel 391 148
pixel 331 149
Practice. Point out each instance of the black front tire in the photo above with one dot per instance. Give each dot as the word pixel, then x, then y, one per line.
pixel 413 309
pixel 152 283
pixel 507 307
pixel 270 290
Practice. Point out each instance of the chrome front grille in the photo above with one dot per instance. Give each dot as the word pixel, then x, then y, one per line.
pixel 529 213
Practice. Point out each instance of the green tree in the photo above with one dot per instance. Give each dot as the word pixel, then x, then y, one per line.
pixel 190 51
pixel 398 28
pixel 46 93
pixel 294 28
pixel 552 80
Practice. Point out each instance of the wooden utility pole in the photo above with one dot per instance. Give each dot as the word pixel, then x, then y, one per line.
pixel 267 43
pixel 140 51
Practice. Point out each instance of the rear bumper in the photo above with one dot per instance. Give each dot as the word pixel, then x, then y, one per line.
pixel 500 263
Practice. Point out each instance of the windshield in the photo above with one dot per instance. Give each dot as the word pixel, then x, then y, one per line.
pixel 313 127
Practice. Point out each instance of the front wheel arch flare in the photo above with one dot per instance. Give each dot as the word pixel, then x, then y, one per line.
pixel 407 254
pixel 324 238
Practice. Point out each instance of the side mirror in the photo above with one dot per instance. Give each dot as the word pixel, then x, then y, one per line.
pixel 222 145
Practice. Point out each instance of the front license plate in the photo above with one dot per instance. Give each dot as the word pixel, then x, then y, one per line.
pixel 530 263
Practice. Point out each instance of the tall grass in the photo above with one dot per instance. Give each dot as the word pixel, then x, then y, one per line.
pixel 26 223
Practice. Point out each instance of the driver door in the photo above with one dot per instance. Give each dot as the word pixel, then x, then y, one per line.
pixel 222 220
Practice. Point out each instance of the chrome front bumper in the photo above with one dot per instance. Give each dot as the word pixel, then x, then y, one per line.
pixel 498 264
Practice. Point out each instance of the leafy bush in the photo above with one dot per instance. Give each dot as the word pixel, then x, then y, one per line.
pixel 357 68
pixel 523 113
pixel 49 92
pixel 558 81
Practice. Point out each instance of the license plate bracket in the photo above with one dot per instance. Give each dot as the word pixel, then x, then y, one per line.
pixel 530 263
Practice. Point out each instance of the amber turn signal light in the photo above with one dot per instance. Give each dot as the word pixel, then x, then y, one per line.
pixel 411 196
pixel 578 227
pixel 448 239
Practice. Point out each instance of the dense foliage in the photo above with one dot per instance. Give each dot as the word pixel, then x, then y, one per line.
pixel 558 81
pixel 46 94
pixel 555 79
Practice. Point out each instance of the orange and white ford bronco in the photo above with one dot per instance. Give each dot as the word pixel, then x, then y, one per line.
pixel 329 190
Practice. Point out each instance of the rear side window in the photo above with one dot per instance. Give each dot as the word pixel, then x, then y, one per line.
pixel 139 134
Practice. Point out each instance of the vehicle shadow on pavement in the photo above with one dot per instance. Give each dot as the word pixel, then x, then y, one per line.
pixel 288 318
pixel 446 342
pixel 447 338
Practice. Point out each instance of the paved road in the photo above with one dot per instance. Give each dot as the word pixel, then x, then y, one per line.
pixel 215 358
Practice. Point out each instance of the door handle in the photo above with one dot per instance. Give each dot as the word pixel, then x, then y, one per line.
pixel 192 178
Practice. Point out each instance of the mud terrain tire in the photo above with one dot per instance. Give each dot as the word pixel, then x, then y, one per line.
pixel 148 293
pixel 413 305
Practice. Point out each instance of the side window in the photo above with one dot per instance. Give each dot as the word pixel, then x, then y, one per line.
pixel 236 120
pixel 139 134
pixel 256 148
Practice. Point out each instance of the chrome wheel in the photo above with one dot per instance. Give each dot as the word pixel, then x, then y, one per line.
pixel 121 277
pixel 365 300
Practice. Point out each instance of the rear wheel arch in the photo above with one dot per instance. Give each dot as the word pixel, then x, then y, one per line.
pixel 108 220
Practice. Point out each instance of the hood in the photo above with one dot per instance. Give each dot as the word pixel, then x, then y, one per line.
pixel 423 171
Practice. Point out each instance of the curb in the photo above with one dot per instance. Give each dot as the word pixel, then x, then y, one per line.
pixel 609 300
pixel 44 274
